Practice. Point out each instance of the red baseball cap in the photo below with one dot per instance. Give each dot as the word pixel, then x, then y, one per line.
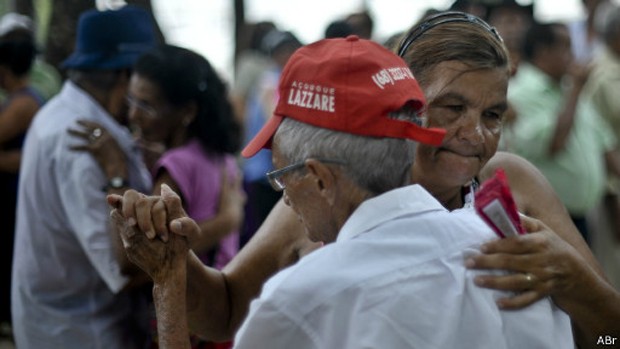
pixel 349 85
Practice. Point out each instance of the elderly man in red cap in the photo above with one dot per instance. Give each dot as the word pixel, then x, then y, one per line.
pixel 70 284
pixel 391 273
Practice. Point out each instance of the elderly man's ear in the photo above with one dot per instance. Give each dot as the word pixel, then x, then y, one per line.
pixel 325 178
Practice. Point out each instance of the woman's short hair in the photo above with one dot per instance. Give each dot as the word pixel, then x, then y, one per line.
pixel 452 36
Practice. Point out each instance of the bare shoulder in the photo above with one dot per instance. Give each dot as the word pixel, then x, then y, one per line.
pixel 513 164
pixel 527 183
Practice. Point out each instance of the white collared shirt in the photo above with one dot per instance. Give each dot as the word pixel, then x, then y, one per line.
pixel 395 278
pixel 66 278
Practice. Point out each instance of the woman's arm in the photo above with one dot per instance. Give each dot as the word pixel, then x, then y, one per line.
pixel 14 121
pixel 230 213
pixel 16 117
pixel 169 294
pixel 278 243
pixel 113 162
pixel 218 301
pixel 564 269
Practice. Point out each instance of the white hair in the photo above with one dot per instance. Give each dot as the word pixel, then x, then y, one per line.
pixel 374 164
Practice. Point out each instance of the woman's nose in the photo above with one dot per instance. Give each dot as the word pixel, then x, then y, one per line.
pixel 471 130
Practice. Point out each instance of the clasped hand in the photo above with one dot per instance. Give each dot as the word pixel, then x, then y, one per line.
pixel 154 229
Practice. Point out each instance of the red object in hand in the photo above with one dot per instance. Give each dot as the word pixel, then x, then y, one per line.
pixel 494 203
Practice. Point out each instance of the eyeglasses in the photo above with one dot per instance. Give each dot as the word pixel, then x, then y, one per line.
pixel 275 177
pixel 145 108
pixel 442 18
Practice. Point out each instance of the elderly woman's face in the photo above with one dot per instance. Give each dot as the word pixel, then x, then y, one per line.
pixel 470 105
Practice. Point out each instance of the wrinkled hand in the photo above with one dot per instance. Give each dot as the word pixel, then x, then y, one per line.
pixel 156 258
pixel 542 264
pixel 140 219
pixel 102 146
pixel 155 216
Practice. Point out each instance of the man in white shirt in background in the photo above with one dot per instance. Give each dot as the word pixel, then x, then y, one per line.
pixel 71 279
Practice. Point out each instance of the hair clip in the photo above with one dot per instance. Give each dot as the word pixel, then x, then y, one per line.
pixel 442 18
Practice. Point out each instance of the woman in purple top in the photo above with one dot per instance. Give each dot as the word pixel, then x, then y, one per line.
pixel 178 103
pixel 198 176
pixel 181 116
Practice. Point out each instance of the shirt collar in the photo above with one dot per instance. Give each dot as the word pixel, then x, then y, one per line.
pixel 373 212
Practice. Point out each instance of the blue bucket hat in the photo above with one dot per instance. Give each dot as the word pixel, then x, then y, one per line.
pixel 113 39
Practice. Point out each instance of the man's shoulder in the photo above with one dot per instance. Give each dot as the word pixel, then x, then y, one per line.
pixel 410 265
pixel 66 102
pixel 53 120
pixel 365 265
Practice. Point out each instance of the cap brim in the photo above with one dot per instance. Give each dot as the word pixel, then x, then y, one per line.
pixel 430 136
pixel 410 130
pixel 263 137
pixel 100 61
